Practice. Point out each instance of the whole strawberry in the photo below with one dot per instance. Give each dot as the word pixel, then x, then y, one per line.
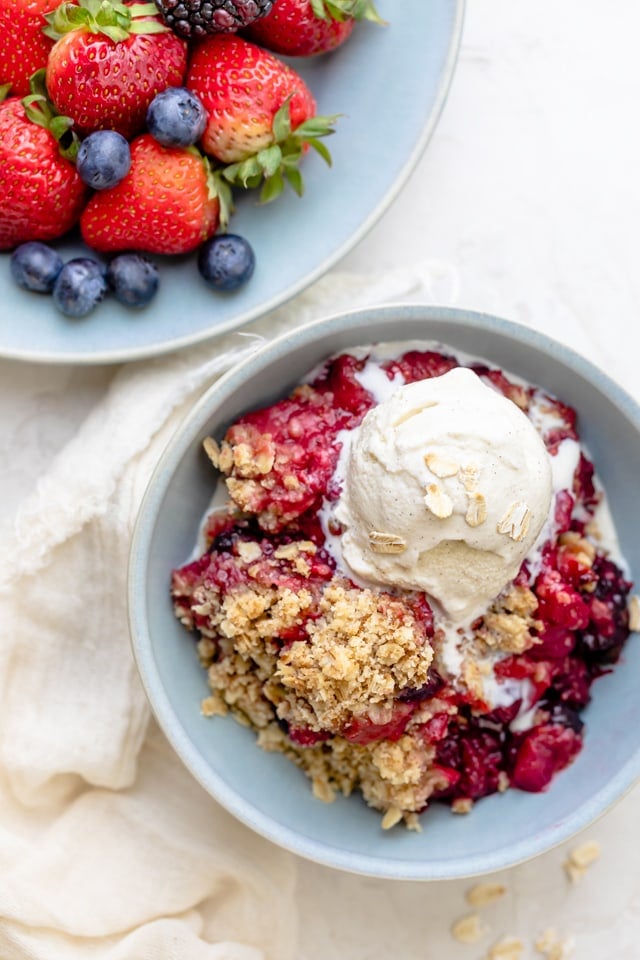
pixel 167 203
pixel 41 194
pixel 111 60
pixel 23 46
pixel 305 28
pixel 262 116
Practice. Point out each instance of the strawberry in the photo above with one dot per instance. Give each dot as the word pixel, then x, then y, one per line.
pixel 111 60
pixel 304 28
pixel 23 46
pixel 41 193
pixel 262 116
pixel 167 203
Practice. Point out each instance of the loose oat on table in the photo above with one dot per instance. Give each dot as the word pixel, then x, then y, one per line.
pixel 484 893
pixel 553 947
pixel 580 859
pixel 634 613
pixel 469 929
pixel 509 948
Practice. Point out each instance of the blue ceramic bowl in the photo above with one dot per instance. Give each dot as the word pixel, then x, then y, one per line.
pixel 265 790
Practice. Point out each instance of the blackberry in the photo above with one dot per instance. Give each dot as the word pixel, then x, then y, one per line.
pixel 431 688
pixel 195 18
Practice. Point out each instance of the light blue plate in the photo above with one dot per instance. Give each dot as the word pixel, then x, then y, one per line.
pixel 390 84
pixel 265 790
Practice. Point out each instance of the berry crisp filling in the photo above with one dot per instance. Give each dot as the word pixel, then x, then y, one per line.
pixel 367 689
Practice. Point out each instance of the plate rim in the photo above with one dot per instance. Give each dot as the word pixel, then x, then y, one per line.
pixel 176 344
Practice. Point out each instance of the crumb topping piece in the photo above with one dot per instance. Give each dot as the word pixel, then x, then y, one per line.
pixel 363 650
pixel 509 624
pixel 212 450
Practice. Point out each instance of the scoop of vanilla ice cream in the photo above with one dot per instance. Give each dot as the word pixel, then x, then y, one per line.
pixel 447 485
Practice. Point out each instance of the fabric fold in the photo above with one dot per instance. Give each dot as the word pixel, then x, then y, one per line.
pixel 108 848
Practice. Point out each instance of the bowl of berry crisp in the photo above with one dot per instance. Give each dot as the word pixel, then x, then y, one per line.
pixel 382 592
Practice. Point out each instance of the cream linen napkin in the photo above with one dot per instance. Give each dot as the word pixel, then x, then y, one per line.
pixel 108 848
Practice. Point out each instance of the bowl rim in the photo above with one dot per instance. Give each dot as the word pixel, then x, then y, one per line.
pixel 178 446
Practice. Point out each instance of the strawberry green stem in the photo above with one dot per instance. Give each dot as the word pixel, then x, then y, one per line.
pixel 217 187
pixel 341 10
pixel 110 17
pixel 275 166
pixel 39 109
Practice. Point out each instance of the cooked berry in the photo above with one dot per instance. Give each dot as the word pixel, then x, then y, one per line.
pixel 104 159
pixel 433 686
pixel 226 262
pixel 133 279
pixel 477 756
pixel 176 117
pixel 35 266
pixel 195 18
pixel 363 729
pixel 419 365
pixel 80 287
pixel 561 714
pixel 541 752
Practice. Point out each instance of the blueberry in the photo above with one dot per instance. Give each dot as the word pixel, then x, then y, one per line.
pixel 35 266
pixel 226 262
pixel 176 117
pixel 104 159
pixel 80 287
pixel 133 279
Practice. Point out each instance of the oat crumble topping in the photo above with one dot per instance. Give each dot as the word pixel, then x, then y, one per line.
pixel 363 651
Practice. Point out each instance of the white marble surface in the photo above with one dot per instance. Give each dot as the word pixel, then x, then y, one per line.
pixel 530 190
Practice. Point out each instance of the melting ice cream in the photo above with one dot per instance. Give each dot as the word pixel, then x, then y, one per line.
pixel 447 488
